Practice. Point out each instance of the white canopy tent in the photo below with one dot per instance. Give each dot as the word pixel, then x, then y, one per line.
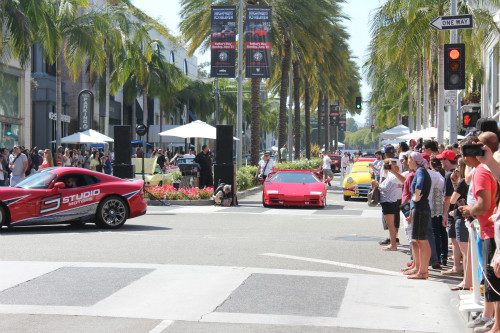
pixel 195 129
pixel 98 136
pixel 427 134
pixel 394 133
pixel 80 137
pixel 340 144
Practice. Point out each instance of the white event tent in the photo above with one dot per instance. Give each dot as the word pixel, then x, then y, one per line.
pixel 394 133
pixel 195 129
pixel 427 134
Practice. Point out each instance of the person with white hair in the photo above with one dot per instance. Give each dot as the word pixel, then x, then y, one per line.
pixel 223 198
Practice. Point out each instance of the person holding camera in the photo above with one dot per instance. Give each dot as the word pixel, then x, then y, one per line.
pixel 204 159
pixel 266 164
pixel 390 196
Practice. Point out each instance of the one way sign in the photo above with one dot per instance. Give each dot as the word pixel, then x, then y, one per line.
pixel 452 22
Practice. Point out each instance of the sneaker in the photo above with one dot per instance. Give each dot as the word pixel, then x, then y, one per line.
pixel 397 241
pixel 385 242
pixel 478 322
pixel 486 327
pixel 436 266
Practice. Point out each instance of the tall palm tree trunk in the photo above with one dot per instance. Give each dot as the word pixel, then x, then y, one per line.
pixel 411 123
pixel 255 125
pixel 285 69
pixel 419 94
pixel 320 119
pixel 307 112
pixel 426 92
pixel 296 99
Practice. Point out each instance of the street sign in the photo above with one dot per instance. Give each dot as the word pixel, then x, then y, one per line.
pixel 452 22
pixel 450 97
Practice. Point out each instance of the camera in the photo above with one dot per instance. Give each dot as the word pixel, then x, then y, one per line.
pixel 473 150
pixel 387 166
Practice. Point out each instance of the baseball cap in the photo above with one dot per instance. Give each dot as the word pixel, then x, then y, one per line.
pixel 17 146
pixel 427 157
pixel 266 153
pixel 389 149
pixel 448 155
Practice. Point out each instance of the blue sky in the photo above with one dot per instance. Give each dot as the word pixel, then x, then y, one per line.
pixel 167 12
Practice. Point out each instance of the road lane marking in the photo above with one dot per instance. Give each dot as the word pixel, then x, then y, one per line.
pixel 334 263
pixel 161 326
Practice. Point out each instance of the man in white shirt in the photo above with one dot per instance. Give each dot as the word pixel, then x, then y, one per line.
pixel 18 163
pixel 378 165
pixel 266 164
pixel 327 168
pixel 344 162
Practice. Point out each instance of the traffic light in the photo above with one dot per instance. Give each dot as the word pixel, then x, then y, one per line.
pixel 469 119
pixel 373 127
pixel 454 66
pixel 358 103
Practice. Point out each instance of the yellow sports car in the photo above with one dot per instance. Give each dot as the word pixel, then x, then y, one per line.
pixel 152 172
pixel 358 181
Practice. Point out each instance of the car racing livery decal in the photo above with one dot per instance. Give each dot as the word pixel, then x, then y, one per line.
pixel 14 200
pixel 50 203
pixel 76 199
pixel 66 215
pixel 130 195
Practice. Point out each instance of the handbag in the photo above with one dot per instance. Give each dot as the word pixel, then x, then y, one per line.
pixel 373 196
pixel 405 207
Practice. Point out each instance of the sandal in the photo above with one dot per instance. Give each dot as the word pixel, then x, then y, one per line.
pixel 459 287
pixel 419 276
pixel 407 269
pixel 388 248
pixel 410 272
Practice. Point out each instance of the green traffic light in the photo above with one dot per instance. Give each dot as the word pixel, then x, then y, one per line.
pixel 9 133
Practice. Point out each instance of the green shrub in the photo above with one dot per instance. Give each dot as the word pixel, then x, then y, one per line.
pixel 173 177
pixel 303 164
pixel 245 177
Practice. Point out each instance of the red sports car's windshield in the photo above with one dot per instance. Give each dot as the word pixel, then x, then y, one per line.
pixel 39 180
pixel 294 178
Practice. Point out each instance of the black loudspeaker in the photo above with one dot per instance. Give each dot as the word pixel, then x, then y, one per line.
pixel 124 171
pixel 224 144
pixel 123 145
pixel 226 173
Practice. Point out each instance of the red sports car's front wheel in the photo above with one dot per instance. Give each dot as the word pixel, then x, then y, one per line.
pixel 111 213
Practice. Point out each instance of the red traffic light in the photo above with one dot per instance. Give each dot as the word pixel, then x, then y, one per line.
pixel 373 126
pixel 454 54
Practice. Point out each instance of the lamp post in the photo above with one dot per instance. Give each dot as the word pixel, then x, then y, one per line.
pixel 141 130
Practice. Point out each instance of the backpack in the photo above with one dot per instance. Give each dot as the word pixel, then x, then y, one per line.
pixel 219 188
pixel 373 196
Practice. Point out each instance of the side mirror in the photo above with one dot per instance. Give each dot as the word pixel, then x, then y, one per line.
pixel 59 185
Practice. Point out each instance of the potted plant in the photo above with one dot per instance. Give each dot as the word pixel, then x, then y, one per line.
pixel 473 97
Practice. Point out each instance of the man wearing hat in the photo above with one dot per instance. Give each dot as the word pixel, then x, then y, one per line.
pixel 265 166
pixel 18 164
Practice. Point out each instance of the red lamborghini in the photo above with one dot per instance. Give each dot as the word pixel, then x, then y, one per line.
pixel 294 188
pixel 71 196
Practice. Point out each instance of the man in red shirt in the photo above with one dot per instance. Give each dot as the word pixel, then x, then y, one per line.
pixel 484 188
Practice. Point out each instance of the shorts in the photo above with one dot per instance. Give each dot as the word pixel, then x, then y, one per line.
pixel 390 208
pixel 420 220
pixel 452 232
pixel 327 173
pixel 492 282
pixel 461 230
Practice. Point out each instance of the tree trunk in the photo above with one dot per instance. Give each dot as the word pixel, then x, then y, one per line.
pixel 285 70
pixel 419 94
pixel 255 125
pixel 59 62
pixel 134 118
pixel 296 98
pixel 426 92
pixel 320 118
pixel 411 123
pixel 307 111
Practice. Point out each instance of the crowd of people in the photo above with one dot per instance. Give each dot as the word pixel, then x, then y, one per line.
pixel 442 192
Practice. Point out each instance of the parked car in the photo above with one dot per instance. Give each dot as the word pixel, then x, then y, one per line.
pixel 71 196
pixel 294 188
pixel 358 182
pixel 153 175
pixel 337 162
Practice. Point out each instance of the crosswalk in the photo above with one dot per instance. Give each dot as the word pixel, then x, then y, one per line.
pixel 236 295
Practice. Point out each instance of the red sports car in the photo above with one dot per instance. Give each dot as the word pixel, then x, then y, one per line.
pixel 71 196
pixel 294 188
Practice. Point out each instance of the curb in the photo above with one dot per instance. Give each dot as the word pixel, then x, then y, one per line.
pixel 209 202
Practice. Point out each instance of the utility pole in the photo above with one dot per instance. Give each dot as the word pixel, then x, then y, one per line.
pixel 239 121
pixel 216 101
pixel 453 107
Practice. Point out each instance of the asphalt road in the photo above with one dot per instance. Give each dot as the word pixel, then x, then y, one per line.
pixel 212 269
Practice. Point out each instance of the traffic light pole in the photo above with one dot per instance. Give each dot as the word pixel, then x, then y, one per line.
pixel 453 106
pixel 239 112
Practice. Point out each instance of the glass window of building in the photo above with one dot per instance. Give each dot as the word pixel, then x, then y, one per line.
pixel 9 99
pixel 172 57
pixel 185 67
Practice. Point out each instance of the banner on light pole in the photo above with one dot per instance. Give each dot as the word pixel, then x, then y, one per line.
pixel 258 42
pixel 223 41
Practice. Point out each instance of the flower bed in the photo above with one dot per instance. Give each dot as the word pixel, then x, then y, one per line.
pixel 168 192
pixel 303 164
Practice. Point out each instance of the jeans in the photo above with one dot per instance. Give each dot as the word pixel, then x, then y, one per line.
pixel 441 238
pixel 430 236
